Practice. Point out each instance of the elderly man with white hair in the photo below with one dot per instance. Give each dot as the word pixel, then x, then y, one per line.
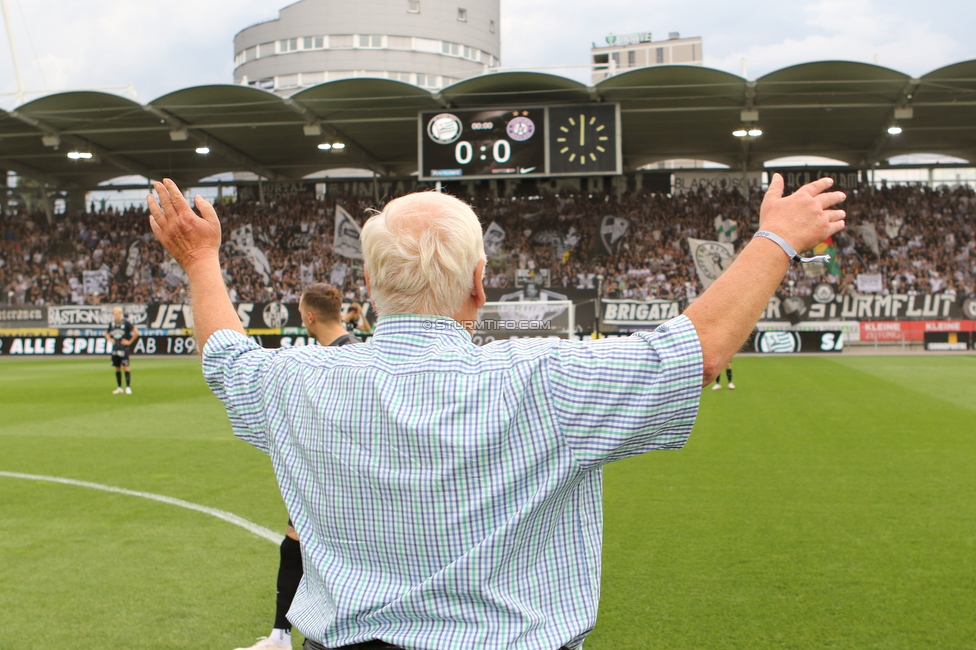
pixel 448 496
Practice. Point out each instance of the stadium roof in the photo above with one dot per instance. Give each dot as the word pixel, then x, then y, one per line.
pixel 835 109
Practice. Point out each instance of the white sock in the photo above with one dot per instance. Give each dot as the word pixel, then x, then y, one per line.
pixel 281 637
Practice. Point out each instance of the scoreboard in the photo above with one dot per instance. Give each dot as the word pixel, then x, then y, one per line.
pixel 578 140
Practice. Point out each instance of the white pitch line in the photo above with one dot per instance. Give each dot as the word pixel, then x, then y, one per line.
pixel 229 517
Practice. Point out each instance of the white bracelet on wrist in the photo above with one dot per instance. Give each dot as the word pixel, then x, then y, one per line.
pixel 792 254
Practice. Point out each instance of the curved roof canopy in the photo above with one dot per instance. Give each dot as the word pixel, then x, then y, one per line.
pixel 835 109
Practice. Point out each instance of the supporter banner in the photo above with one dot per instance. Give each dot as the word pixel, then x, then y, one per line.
pixel 948 341
pixel 845 178
pixel 896 306
pixel 693 181
pixel 639 314
pixel 275 191
pixel 95 283
pixel 711 259
pixel 869 282
pixel 166 317
pixel 27 316
pixel 782 342
pixel 94 315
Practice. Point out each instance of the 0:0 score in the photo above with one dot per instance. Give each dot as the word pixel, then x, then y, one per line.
pixel 501 151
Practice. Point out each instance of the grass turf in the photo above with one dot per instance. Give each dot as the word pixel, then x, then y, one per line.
pixel 827 502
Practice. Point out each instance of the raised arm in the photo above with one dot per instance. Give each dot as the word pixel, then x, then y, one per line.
pixel 726 313
pixel 194 242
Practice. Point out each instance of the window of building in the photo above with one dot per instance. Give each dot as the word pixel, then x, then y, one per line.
pixel 319 42
pixel 340 41
pixel 308 43
pixel 287 81
pixel 427 80
pixel 616 58
pixel 631 58
pixel 660 55
pixel 399 42
pixel 454 49
pixel 413 6
pixel 288 45
pixel 462 15
pixel 601 60
pixel 491 26
pixel 370 40
pixel 400 76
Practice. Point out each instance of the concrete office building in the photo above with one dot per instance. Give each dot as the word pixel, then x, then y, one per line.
pixel 623 53
pixel 430 43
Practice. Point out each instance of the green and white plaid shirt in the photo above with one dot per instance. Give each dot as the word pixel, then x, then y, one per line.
pixel 448 496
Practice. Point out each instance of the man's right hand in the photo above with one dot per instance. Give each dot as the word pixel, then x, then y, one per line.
pixel 804 218
pixel 187 237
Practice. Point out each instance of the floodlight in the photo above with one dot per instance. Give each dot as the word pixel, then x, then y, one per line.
pixel 740 133
pixel 203 151
pixel 894 130
pixel 338 145
pixel 325 146
pixel 755 132
pixel 79 155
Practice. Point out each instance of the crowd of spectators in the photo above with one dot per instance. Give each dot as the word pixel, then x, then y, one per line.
pixel 925 244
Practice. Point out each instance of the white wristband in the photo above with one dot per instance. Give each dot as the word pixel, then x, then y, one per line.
pixel 792 254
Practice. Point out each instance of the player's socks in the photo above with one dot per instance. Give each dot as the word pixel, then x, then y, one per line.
pixel 728 373
pixel 118 378
pixel 290 572
pixel 281 638
pixel 128 382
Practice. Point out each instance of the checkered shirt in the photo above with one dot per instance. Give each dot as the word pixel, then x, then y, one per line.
pixel 448 496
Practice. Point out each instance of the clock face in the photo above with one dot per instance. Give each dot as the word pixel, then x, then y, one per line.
pixel 583 139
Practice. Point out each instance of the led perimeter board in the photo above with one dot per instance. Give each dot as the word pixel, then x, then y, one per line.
pixel 580 140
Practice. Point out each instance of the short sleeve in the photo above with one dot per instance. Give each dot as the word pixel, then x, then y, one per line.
pixel 234 367
pixel 622 397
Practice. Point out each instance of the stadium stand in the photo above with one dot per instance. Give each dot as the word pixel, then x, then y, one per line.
pixel 925 243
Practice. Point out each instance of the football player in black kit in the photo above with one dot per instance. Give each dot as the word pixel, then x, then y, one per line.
pixel 122 334
pixel 321 309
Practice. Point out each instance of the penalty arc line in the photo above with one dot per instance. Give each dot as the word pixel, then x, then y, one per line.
pixel 229 517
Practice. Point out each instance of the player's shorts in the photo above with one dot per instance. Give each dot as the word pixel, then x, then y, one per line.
pixel 120 357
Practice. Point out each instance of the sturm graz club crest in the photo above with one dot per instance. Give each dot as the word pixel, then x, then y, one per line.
pixel 824 293
pixel 444 128
pixel 275 314
pixel 712 259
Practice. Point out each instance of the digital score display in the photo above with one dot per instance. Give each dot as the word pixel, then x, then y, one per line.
pixel 579 140
pixel 483 143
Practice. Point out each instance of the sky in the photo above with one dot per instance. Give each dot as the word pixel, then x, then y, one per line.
pixel 145 49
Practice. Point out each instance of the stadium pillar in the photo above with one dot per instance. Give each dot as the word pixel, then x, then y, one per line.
pixel 4 198
pixel 74 201
pixel 376 187
pixel 260 191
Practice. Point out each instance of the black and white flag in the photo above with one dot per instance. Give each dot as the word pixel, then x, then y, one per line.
pixel 612 231
pixel 494 237
pixel 347 232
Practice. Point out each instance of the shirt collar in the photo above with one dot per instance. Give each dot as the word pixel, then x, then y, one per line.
pixel 424 325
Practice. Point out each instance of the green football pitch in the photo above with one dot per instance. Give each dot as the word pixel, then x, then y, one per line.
pixel 825 503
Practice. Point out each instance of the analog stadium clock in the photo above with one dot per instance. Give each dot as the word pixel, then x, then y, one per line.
pixel 583 139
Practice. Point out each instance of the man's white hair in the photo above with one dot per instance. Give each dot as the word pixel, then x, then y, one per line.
pixel 421 252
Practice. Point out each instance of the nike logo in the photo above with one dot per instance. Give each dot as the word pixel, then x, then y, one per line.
pixel 526 170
